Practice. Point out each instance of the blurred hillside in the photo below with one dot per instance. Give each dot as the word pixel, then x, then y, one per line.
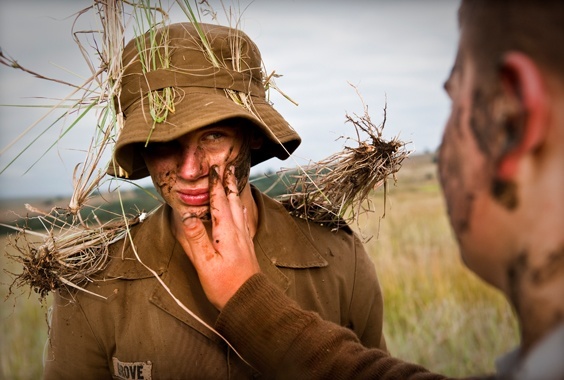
pixel 416 171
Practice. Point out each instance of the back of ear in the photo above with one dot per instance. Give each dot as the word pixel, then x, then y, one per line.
pixel 525 90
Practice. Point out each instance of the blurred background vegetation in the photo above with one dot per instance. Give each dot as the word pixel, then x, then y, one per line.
pixel 437 313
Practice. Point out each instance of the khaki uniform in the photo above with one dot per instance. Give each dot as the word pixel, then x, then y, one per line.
pixel 140 332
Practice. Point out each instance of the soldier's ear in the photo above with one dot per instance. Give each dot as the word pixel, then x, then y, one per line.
pixel 525 111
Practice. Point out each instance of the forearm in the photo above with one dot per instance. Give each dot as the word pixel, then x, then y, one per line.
pixel 277 337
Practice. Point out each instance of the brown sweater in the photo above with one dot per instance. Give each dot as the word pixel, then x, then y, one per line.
pixel 285 342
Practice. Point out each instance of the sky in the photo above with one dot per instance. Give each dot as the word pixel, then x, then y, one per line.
pixel 396 53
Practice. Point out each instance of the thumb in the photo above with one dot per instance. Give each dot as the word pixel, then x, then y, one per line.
pixel 196 242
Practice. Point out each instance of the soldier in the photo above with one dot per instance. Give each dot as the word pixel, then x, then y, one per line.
pixel 219 124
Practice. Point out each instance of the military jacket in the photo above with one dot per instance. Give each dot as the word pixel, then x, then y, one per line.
pixel 139 330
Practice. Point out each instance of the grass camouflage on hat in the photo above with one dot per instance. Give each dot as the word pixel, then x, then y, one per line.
pixel 198 74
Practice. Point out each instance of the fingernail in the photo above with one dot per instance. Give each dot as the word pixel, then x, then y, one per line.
pixel 189 221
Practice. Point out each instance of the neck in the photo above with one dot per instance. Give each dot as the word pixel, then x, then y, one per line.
pixel 538 281
pixel 537 296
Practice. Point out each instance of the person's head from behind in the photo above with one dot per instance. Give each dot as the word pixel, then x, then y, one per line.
pixel 194 105
pixel 501 155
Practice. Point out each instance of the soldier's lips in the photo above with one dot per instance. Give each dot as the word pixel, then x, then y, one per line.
pixel 194 197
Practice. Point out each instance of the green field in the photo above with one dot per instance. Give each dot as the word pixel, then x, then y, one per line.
pixel 437 313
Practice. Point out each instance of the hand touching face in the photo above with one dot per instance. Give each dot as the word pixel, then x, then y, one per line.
pixel 224 258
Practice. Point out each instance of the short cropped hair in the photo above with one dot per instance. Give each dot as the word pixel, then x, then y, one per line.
pixel 490 29
pixel 493 27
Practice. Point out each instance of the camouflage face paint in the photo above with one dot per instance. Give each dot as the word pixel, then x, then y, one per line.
pixel 164 182
pixel 242 163
pixel 496 126
pixel 551 268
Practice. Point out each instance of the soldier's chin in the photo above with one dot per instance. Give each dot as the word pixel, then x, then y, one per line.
pixel 203 215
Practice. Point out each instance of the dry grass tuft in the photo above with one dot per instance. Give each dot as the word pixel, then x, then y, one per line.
pixel 335 191
pixel 71 249
pixel 67 253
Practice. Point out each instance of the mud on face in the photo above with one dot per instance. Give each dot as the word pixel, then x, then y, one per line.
pixel 165 182
pixel 242 163
pixel 496 126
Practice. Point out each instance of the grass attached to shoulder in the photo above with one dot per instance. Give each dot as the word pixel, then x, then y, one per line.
pixel 437 313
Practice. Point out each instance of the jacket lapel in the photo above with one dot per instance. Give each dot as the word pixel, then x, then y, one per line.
pixel 181 279
pixel 157 248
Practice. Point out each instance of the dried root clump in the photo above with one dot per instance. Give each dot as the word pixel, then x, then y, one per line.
pixel 68 253
pixel 335 190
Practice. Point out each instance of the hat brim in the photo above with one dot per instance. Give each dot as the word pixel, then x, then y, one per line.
pixel 198 108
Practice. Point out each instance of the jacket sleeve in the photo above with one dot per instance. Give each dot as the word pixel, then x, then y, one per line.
pixel 283 341
pixel 72 350
pixel 366 310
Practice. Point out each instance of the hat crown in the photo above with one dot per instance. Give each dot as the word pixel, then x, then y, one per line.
pixel 190 55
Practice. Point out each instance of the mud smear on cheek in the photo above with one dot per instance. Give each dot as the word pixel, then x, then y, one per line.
pixel 242 163
pixel 165 182
pixel 201 153
pixel 490 131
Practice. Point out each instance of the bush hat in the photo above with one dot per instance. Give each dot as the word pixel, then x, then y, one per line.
pixel 200 89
